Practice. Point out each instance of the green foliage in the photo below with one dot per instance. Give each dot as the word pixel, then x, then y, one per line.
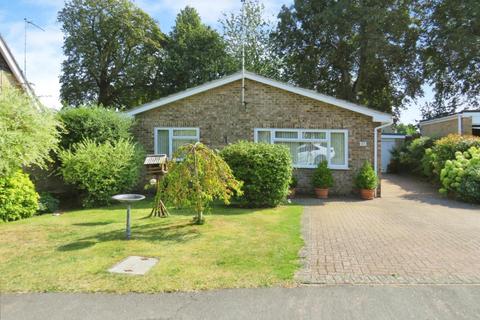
pixel 411 153
pixel 102 170
pixel 450 53
pixel 322 177
pixel 195 53
pixel 361 52
pixel 461 176
pixel 265 170
pixel 406 129
pixel 293 182
pixel 47 203
pixel 28 132
pixel 446 148
pixel 199 178
pixel 18 199
pixel 366 177
pixel 259 48
pixel 112 51
pixel 95 123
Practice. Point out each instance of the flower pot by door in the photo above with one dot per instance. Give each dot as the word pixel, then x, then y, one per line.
pixel 367 194
pixel 321 193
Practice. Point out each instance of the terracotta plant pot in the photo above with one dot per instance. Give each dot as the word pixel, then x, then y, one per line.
pixel 291 193
pixel 321 193
pixel 367 194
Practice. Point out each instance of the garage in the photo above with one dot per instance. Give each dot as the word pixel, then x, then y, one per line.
pixel 389 142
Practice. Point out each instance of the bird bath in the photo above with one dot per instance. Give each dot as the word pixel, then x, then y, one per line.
pixel 128 199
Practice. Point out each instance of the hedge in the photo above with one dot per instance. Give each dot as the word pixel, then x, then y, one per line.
pixel 18 199
pixel 265 170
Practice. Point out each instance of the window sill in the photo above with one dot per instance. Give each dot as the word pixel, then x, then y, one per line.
pixel 314 167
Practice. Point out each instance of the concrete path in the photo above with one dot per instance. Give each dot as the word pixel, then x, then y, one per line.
pixel 409 236
pixel 318 302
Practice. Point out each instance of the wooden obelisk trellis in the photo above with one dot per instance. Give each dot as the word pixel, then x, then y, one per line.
pixel 156 165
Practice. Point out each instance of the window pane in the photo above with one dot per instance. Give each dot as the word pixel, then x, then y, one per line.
pixel 177 143
pixel 337 153
pixel 184 133
pixel 263 136
pixel 162 142
pixel 314 135
pixel 286 134
pixel 306 153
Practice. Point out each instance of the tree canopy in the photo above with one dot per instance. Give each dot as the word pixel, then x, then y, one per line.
pixel 112 51
pixel 256 29
pixel 451 54
pixel 361 51
pixel 195 53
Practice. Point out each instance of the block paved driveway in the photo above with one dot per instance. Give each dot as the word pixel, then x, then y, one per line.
pixel 409 236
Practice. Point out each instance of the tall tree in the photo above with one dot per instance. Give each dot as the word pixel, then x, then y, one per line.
pixel 112 51
pixel 195 53
pixel 451 54
pixel 363 51
pixel 255 28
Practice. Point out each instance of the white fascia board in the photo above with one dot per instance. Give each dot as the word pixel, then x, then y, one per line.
pixel 12 64
pixel 376 115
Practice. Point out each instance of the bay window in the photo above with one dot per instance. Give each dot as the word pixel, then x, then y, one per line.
pixel 168 140
pixel 309 147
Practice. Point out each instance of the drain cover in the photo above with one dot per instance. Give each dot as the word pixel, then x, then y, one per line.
pixel 134 265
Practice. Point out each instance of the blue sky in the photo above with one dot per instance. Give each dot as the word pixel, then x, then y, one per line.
pixel 44 49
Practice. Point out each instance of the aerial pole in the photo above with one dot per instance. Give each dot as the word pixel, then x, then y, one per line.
pixel 243 54
pixel 27 22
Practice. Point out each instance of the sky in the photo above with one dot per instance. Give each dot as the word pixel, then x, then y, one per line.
pixel 44 48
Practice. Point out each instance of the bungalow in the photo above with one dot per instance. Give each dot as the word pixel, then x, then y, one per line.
pixel 313 126
pixel 10 72
pixel 466 122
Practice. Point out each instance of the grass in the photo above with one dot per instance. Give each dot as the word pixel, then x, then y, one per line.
pixel 72 252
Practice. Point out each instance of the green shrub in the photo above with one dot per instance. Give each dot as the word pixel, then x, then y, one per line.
pixel 366 177
pixel 445 149
pixel 18 199
pixel 28 132
pixel 265 170
pixel 293 182
pixel 102 170
pixel 47 203
pixel 95 123
pixel 322 176
pixel 411 152
pixel 462 175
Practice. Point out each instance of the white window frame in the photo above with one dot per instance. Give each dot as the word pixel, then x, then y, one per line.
pixel 170 137
pixel 301 139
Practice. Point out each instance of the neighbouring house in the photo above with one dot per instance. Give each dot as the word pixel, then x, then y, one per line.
pixel 10 72
pixel 313 126
pixel 466 122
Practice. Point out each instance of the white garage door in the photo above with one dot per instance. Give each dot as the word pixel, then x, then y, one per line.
pixel 387 146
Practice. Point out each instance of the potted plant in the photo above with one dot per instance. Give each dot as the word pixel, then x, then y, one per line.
pixel 322 180
pixel 292 186
pixel 366 180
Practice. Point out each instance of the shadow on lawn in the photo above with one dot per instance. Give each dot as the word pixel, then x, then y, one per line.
pixel 93 224
pixel 150 232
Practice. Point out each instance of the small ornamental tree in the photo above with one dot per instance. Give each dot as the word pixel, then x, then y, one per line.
pixel 199 178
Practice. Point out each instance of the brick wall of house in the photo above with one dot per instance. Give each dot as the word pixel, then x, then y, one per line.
pixel 222 119
pixel 444 128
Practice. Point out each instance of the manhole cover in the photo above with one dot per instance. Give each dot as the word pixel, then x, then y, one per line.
pixel 134 265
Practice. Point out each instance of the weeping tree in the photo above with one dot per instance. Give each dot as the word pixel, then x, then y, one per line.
pixel 199 178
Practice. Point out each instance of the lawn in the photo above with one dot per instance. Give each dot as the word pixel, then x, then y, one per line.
pixel 72 252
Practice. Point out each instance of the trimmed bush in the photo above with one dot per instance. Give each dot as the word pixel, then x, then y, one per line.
pixel 366 177
pixel 461 176
pixel 445 149
pixel 265 170
pixel 47 203
pixel 18 199
pixel 102 170
pixel 322 176
pixel 94 123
